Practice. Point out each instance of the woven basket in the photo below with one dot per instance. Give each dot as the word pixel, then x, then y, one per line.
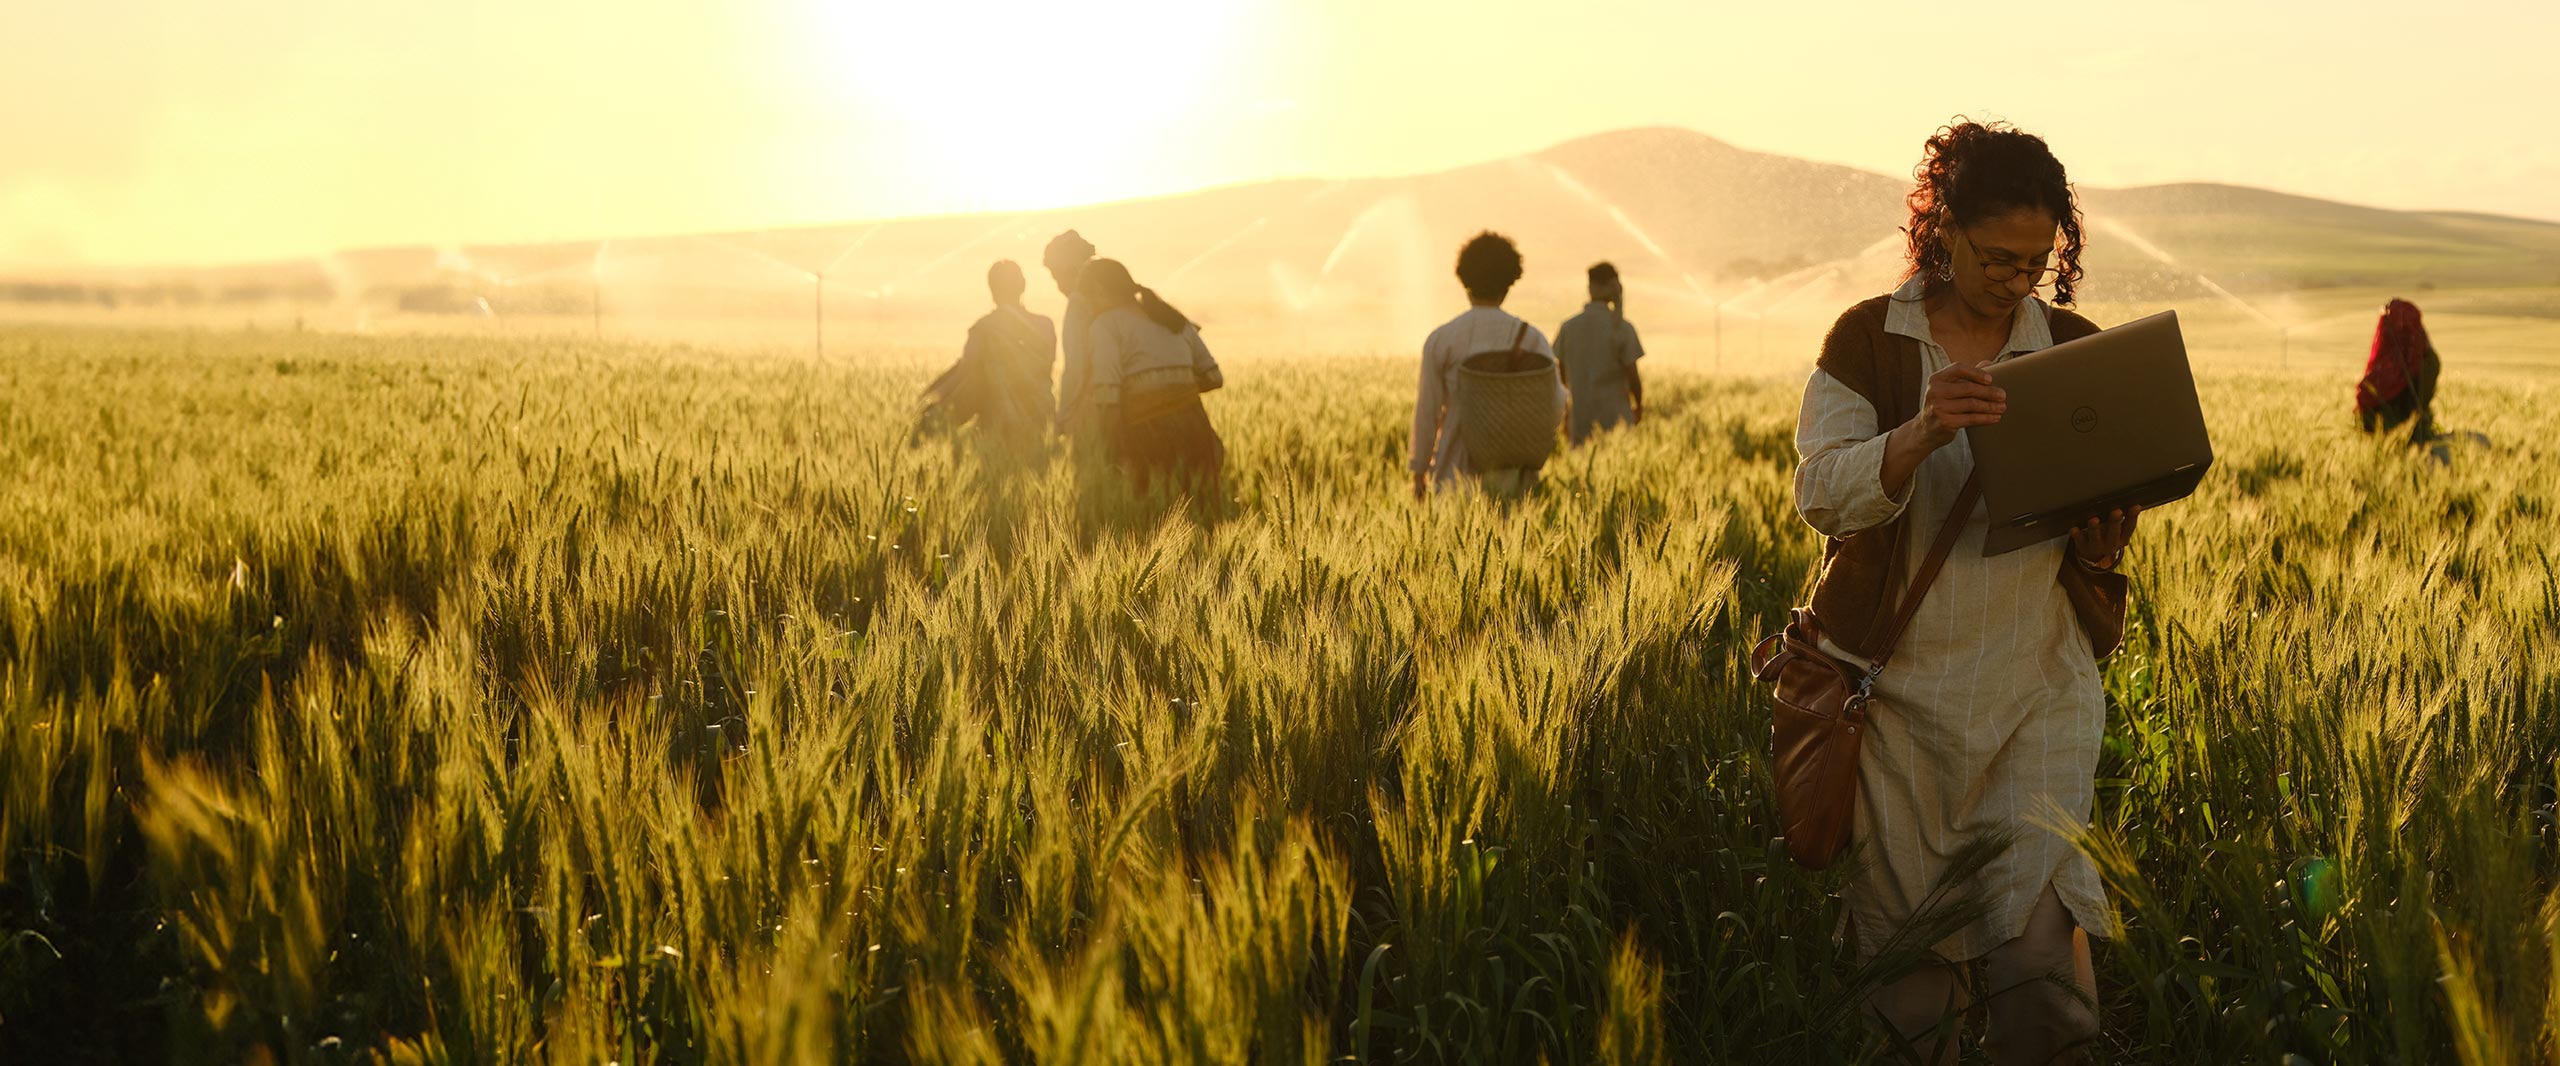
pixel 1508 408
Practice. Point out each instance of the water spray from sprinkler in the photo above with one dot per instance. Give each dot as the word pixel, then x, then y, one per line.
pixel 2284 330
pixel 768 258
pixel 1627 225
pixel 1185 269
pixel 850 248
pixel 1011 225
pixel 595 290
pixel 1756 287
pixel 1806 279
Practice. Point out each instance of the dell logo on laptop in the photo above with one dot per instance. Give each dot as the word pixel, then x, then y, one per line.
pixel 2085 419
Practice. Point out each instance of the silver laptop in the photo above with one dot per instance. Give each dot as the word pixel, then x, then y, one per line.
pixel 2106 421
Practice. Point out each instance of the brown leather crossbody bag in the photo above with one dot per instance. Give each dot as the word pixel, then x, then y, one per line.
pixel 1822 706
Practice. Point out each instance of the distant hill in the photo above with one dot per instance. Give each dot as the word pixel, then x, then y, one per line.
pixel 1695 224
pixel 2257 240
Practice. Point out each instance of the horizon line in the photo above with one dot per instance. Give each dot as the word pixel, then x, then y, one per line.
pixel 18 270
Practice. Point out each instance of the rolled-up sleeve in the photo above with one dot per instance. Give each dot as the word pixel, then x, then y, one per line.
pixel 1204 366
pixel 1840 477
pixel 1427 408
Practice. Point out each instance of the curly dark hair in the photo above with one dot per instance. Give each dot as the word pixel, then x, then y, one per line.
pixel 1970 171
pixel 1488 266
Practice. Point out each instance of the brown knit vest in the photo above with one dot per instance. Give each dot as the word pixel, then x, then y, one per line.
pixel 1861 572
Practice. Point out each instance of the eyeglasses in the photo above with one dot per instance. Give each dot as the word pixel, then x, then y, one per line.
pixel 2003 272
pixel 2008 272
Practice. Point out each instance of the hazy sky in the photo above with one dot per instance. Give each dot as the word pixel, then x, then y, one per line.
pixel 188 132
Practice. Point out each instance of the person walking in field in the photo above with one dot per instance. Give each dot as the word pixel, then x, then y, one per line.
pixel 1596 351
pixel 2399 383
pixel 1149 370
pixel 1488 266
pixel 1002 379
pixel 1988 721
pixel 1065 257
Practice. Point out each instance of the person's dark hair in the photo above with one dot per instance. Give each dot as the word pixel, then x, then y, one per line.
pixel 1488 266
pixel 1004 281
pixel 1970 171
pixel 1106 284
pixel 1602 273
pixel 1066 249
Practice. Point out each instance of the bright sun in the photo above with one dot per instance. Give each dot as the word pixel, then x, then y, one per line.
pixel 1013 104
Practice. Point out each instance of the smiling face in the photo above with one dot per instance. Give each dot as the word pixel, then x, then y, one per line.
pixel 2000 260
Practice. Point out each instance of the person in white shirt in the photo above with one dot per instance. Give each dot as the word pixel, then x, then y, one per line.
pixel 1148 371
pixel 1066 257
pixel 1488 266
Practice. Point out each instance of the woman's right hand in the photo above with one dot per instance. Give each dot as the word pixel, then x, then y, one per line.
pixel 1959 397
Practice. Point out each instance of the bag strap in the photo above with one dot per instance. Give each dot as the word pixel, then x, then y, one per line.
pixel 1519 339
pixel 1928 572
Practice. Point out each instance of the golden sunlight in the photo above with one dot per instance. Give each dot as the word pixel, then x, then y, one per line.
pixel 1025 104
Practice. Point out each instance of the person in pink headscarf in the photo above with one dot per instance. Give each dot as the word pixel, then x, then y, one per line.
pixel 2399 383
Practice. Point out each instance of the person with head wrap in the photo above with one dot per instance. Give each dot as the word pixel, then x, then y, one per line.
pixel 1149 369
pixel 1002 379
pixel 1596 351
pixel 1066 257
pixel 2399 374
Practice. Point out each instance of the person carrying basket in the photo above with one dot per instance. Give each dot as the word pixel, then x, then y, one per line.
pixel 1489 399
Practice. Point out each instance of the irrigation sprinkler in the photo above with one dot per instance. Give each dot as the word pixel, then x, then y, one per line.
pixel 595 290
pixel 1718 306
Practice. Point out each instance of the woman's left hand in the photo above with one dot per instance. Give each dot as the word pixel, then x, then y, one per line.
pixel 2101 539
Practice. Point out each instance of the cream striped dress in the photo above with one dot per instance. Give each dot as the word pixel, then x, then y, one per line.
pixel 1992 710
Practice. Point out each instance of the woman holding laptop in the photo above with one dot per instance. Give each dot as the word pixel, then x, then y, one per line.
pixel 1987 722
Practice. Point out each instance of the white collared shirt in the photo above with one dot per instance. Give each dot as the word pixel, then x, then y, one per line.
pixel 1990 714
pixel 1436 447
pixel 1840 483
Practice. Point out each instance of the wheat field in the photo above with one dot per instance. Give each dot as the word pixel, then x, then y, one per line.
pixel 543 700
